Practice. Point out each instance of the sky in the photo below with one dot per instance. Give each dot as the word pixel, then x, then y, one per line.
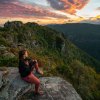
pixel 50 11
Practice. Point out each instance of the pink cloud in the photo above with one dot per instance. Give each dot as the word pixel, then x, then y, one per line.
pixel 13 8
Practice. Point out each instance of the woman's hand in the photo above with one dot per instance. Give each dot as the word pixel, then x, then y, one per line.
pixel 34 60
pixel 40 71
pixel 26 62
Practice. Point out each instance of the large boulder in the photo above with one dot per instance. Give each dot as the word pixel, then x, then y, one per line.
pixel 55 88
pixel 14 87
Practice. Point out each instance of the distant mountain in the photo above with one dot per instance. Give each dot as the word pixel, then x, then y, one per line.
pixel 85 36
pixel 58 55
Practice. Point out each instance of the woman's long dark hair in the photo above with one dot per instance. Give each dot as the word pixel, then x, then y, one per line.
pixel 21 54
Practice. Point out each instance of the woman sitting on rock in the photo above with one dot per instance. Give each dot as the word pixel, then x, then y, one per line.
pixel 26 66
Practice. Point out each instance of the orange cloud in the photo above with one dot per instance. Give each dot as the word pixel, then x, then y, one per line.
pixel 42 21
pixel 68 6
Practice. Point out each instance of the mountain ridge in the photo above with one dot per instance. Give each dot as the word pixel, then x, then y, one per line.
pixel 52 49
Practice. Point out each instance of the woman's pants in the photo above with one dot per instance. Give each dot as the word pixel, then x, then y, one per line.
pixel 31 78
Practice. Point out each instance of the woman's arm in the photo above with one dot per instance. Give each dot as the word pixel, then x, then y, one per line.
pixel 30 62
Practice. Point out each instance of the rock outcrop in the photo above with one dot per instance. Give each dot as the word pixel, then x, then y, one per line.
pixel 12 87
pixel 15 24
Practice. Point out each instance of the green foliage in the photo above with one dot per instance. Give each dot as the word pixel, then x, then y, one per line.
pixel 9 62
pixel 84 80
pixel 65 70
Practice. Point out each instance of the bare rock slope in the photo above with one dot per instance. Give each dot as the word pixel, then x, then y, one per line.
pixel 12 87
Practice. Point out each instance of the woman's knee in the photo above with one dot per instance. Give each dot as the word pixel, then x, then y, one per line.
pixel 38 82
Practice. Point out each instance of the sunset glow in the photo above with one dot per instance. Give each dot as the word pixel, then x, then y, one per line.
pixel 49 11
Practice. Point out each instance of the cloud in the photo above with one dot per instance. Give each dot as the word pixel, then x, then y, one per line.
pixel 15 8
pixel 7 1
pixel 61 10
pixel 98 8
pixel 68 6
pixel 92 20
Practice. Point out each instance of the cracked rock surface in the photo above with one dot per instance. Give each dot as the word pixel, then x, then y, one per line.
pixel 14 88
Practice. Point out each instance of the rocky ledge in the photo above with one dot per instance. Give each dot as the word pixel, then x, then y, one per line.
pixel 12 87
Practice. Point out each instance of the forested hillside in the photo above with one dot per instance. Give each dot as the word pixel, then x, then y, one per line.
pixel 55 53
pixel 85 36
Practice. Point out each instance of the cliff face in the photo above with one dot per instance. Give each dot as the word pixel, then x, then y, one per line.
pixel 12 87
